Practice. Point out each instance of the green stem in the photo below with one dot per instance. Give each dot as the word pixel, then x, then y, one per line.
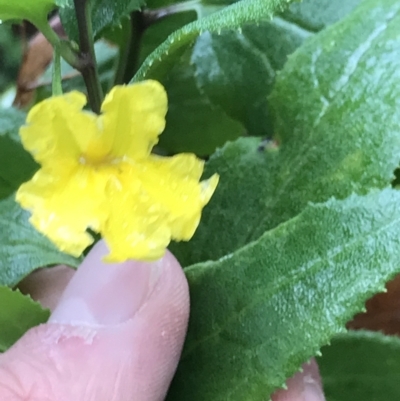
pixel 64 48
pixel 88 67
pixel 56 83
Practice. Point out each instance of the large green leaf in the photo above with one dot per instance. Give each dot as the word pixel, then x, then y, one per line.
pixel 160 61
pixel 104 14
pixel 361 365
pixel 336 104
pixel 241 87
pixel 18 313
pixel 23 249
pixel 258 313
pixel 16 165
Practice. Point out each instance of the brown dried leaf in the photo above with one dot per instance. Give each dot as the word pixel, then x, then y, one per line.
pixel 383 311
pixel 37 57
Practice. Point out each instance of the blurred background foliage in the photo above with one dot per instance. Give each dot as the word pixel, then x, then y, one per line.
pixel 10 55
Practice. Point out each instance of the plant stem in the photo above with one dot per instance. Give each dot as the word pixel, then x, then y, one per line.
pixel 88 67
pixel 56 83
pixel 137 30
pixel 64 48
pixel 123 56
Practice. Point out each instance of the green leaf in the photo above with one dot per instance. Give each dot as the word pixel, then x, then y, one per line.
pixel 35 11
pixel 361 365
pixel 258 313
pixel 10 122
pixel 359 52
pixel 18 313
pixel 193 124
pixel 105 14
pixel 314 15
pixel 237 89
pixel 155 34
pixel 241 88
pixel 238 205
pixel 23 249
pixel 339 132
pixel 245 11
pixel 16 165
pixel 10 56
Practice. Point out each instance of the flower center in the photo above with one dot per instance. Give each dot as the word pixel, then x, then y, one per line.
pixel 98 161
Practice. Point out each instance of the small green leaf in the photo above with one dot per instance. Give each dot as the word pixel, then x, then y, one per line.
pixel 10 56
pixel 105 14
pixel 245 11
pixel 16 165
pixel 23 249
pixel 35 11
pixel 193 124
pixel 18 313
pixel 361 365
pixel 259 313
pixel 336 111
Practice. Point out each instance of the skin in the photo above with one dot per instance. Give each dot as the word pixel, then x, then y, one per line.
pixel 115 334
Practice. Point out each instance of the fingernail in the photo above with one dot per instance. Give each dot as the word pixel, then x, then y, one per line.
pixel 106 294
pixel 312 389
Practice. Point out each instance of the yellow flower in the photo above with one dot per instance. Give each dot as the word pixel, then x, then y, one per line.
pixel 97 172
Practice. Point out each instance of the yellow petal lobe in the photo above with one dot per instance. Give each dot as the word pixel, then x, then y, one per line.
pixel 57 130
pixel 134 117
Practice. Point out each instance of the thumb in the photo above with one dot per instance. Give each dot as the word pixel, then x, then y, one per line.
pixel 116 335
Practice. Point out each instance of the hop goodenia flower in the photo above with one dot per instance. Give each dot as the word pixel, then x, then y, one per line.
pixel 98 172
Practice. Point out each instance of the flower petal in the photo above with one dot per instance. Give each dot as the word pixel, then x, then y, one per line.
pixel 158 200
pixel 134 117
pixel 57 130
pixel 135 230
pixel 63 206
pixel 174 183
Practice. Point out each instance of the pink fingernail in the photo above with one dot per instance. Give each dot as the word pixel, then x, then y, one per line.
pixel 106 294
